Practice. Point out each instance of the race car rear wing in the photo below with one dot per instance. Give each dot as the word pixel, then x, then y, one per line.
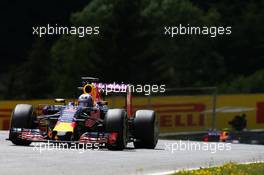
pixel 90 79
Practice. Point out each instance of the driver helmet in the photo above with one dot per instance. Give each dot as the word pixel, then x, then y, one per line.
pixel 85 100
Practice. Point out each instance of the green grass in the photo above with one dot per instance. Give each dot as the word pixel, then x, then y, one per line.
pixel 228 169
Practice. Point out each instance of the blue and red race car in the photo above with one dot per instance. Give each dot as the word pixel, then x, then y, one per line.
pixel 87 121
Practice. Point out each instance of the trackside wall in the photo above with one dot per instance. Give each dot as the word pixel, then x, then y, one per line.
pixel 179 113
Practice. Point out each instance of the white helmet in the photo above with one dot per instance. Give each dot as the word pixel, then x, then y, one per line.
pixel 85 100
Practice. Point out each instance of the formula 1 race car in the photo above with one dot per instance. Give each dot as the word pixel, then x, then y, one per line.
pixel 223 135
pixel 87 121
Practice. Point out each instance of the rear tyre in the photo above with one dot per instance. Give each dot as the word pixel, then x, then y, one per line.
pixel 22 117
pixel 146 129
pixel 115 121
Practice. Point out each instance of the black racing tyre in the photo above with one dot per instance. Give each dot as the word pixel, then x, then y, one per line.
pixel 22 117
pixel 116 121
pixel 146 129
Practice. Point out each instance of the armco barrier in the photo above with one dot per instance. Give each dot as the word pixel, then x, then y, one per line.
pixel 179 113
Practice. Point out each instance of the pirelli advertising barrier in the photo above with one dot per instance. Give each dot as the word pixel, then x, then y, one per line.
pixel 180 113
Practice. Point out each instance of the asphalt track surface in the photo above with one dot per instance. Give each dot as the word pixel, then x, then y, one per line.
pixel 30 160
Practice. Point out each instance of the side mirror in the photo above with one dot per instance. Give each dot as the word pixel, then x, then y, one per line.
pixel 60 100
pixel 102 102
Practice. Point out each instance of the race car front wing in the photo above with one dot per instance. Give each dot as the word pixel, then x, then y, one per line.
pixel 36 135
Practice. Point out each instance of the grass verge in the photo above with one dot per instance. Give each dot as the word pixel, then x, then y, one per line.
pixel 228 169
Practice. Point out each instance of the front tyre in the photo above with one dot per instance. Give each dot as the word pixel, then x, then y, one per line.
pixel 116 121
pixel 22 117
